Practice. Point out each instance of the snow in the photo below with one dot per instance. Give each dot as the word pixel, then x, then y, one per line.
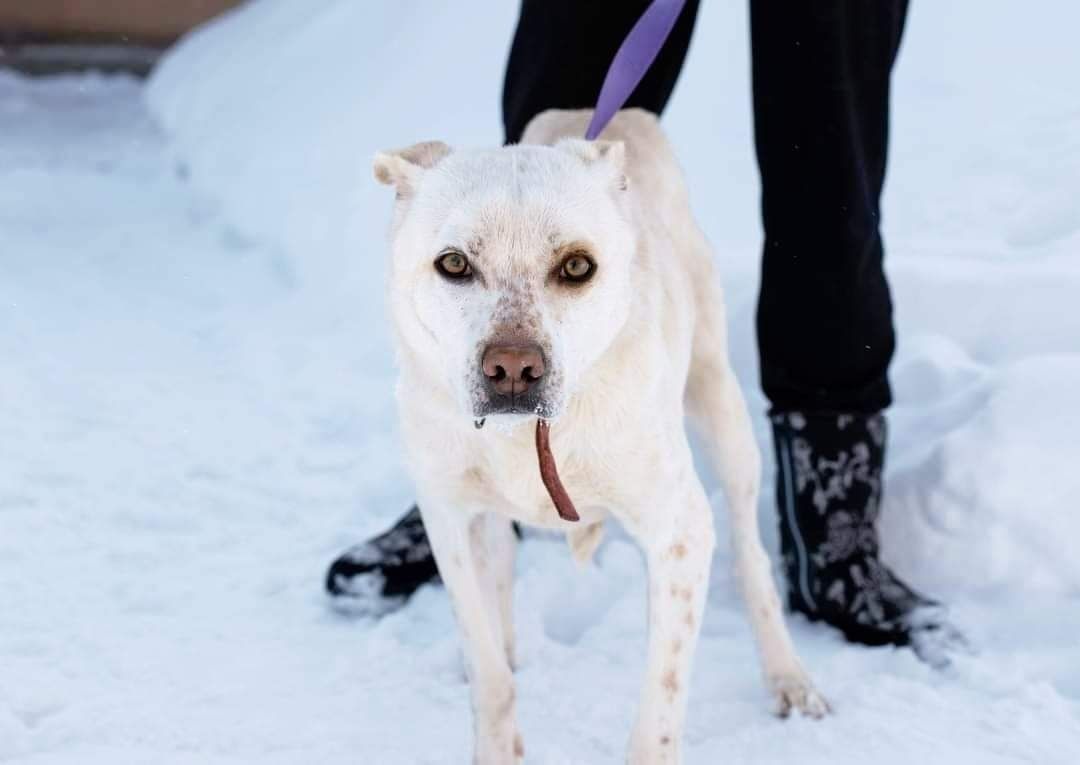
pixel 196 399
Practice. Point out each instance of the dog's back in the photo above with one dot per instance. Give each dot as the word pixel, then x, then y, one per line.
pixel 650 159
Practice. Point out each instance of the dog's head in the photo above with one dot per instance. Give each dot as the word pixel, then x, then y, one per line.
pixel 511 267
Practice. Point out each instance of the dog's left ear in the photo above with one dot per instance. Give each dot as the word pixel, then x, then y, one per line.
pixel 402 168
pixel 609 154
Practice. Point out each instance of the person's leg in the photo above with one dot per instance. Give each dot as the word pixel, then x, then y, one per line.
pixel 821 107
pixel 560 54
pixel 821 110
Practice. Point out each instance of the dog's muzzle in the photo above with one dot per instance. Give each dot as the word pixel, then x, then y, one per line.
pixel 513 379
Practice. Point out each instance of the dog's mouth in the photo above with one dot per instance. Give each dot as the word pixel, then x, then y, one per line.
pixel 535 401
pixel 526 403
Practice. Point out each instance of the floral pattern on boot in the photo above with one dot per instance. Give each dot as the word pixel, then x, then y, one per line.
pixel 828 496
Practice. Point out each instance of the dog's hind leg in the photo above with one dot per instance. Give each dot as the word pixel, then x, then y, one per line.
pixel 496 739
pixel 678 541
pixel 494 545
pixel 715 400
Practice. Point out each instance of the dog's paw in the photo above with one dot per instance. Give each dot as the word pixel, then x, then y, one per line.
pixel 500 749
pixel 793 690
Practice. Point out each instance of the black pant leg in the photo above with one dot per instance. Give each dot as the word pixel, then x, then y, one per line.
pixel 821 106
pixel 562 50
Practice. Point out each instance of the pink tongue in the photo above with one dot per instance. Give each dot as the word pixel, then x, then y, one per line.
pixel 550 475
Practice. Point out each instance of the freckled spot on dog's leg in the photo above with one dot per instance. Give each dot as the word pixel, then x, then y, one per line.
pixel 687 594
pixel 676 646
pixel 670 682
pixel 665 740
pixel 678 550
pixel 674 590
pixel 688 620
pixel 519 746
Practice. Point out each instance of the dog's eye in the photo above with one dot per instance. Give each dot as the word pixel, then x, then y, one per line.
pixel 453 265
pixel 577 268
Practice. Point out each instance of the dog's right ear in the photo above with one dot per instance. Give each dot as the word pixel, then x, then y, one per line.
pixel 402 168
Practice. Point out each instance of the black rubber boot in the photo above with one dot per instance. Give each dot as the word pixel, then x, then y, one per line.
pixel 378 576
pixel 828 494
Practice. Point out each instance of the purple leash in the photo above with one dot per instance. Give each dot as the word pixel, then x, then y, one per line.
pixel 633 60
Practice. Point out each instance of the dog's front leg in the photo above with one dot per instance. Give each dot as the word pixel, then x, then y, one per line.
pixel 496 739
pixel 678 540
pixel 493 545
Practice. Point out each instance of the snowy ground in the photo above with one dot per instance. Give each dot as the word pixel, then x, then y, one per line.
pixel 196 408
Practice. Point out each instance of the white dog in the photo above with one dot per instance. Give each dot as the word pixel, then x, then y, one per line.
pixel 566 280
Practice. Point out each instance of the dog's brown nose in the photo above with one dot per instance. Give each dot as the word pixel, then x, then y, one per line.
pixel 512 369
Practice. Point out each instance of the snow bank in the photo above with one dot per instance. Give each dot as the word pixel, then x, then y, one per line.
pixel 985 503
pixel 278 108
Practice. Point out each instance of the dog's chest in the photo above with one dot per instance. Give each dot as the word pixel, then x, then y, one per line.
pixel 507 479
